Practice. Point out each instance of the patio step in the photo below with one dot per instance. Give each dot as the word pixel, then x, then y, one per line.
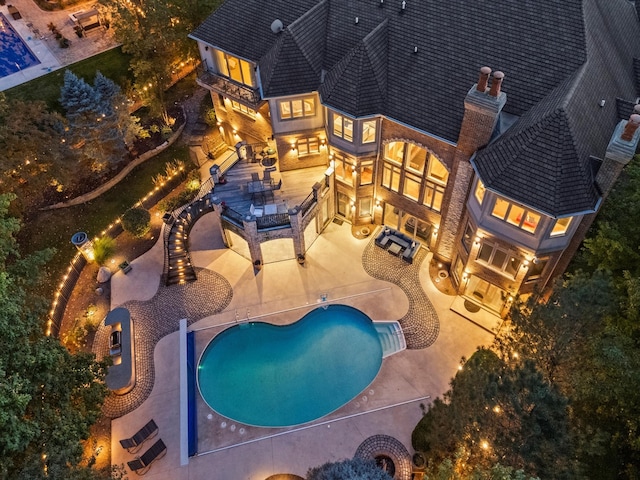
pixel 391 337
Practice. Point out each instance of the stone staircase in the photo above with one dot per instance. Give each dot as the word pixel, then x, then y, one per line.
pixel 177 261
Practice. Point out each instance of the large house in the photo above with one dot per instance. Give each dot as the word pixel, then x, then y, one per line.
pixel 500 178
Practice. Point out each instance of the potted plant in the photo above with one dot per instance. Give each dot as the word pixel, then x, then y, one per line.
pixel 300 259
pixel 257 264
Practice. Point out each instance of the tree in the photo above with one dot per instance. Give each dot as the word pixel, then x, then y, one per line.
pixel 114 108
pixel 34 157
pixel 92 120
pixel 155 33
pixel 498 413
pixel 356 469
pixel 613 242
pixel 48 397
pixel 136 221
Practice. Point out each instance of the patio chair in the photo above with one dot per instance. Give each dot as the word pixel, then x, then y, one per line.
pixel 142 464
pixel 134 443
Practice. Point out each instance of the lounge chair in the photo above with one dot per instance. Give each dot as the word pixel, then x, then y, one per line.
pixel 142 464
pixel 134 443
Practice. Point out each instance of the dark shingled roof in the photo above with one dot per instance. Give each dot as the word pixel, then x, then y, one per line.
pixel 357 84
pixel 560 57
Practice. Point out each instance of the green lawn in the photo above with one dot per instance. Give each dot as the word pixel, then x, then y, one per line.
pixel 54 228
pixel 113 64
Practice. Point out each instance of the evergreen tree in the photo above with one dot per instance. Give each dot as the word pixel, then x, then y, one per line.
pixel 94 129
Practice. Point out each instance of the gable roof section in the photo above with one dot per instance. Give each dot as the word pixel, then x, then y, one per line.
pixel 287 71
pixel 243 28
pixel 358 83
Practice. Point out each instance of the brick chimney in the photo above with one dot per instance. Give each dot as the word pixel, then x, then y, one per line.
pixel 496 83
pixel 484 79
pixel 481 113
pixel 620 151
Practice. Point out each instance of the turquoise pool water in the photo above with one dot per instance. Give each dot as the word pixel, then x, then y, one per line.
pixel 265 375
pixel 15 55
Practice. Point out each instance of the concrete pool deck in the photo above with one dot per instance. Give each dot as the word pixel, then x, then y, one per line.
pixel 334 266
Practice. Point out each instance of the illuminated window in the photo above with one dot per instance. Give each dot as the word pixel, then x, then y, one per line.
pixel 234 68
pixel 299 108
pixel 369 131
pixel 391 177
pixel 411 188
pixel 437 171
pixel 343 169
pixel 242 108
pixel 433 194
pixel 394 152
pixel 308 146
pixel 499 258
pixel 343 127
pixel 516 215
pixel 480 190
pixel 416 157
pixel 366 172
pixel 561 226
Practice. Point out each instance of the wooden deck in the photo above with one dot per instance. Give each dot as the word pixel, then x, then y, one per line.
pixel 296 186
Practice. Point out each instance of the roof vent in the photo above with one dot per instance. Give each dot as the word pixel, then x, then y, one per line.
pixel 277 26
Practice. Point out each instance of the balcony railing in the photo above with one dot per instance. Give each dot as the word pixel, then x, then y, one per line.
pixel 227 87
pixel 278 220
pixel 308 203
pixel 233 216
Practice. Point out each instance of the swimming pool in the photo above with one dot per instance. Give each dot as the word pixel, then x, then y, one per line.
pixel 15 55
pixel 271 376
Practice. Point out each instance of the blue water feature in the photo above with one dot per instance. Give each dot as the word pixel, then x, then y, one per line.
pixel 276 376
pixel 15 55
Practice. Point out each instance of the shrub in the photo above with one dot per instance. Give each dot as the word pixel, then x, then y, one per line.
pixel 137 221
pixel 210 117
pixel 103 249
pixel 170 204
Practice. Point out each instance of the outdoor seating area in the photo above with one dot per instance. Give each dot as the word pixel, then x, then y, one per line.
pixel 261 189
pixel 398 244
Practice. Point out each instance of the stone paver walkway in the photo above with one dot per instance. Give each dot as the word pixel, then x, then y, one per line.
pixel 157 317
pixel 420 325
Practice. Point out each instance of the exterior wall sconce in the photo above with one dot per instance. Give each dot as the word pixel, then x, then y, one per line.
pixel 477 240
pixel 353 168
pixel 377 202
pixel 235 131
pixel 293 146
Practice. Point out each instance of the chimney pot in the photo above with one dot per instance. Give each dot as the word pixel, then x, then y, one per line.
pixel 496 83
pixel 631 127
pixel 636 109
pixel 484 79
